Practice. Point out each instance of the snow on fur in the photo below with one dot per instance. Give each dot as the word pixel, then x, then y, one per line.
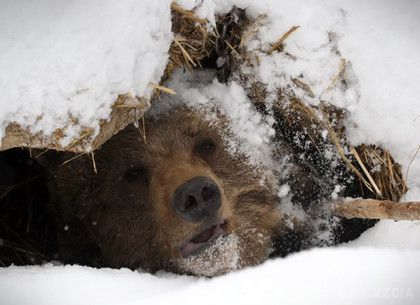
pixel 251 134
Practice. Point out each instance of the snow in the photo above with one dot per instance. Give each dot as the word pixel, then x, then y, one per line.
pixel 389 73
pixel 391 234
pixel 247 132
pixel 67 61
pixel 320 276
pixel 379 39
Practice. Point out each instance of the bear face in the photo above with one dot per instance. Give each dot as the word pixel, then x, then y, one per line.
pixel 177 200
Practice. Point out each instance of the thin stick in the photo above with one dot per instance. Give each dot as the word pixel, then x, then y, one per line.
pixel 162 88
pixel 377 209
pixel 76 141
pixel 144 129
pixel 337 76
pixel 232 48
pixel 247 36
pixel 92 154
pixel 305 87
pixel 73 158
pixel 372 182
pixel 41 153
pixel 334 138
pixel 184 52
pixel 142 132
pixel 279 42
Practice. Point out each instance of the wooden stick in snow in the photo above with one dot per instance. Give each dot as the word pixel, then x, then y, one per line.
pixel 377 209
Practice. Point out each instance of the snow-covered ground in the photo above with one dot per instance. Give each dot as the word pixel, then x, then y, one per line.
pixel 321 276
pixel 381 39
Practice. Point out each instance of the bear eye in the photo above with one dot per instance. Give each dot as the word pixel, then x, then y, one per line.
pixel 134 174
pixel 205 147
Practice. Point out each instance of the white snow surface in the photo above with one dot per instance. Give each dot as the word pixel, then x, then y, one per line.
pixel 63 61
pixel 320 276
pixel 381 39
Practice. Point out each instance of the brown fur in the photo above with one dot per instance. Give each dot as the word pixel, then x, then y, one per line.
pixel 105 220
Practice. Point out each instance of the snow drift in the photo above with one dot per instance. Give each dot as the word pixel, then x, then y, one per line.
pixel 323 276
pixel 64 65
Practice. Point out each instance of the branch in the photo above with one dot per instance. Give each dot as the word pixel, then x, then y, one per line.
pixel 377 209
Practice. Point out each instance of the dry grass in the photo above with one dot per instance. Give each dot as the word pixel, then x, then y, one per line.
pixel 192 42
pixel 162 88
pixel 372 165
pixel 278 45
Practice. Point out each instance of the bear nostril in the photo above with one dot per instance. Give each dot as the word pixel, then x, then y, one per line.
pixel 190 203
pixel 197 200
pixel 208 193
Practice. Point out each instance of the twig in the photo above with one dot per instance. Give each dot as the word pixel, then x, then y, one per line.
pixel 232 48
pixel 377 209
pixel 372 182
pixel 72 158
pixel 337 76
pixel 162 88
pixel 305 87
pixel 279 42
pixel 142 132
pixel 184 52
pixel 41 153
pixel 334 139
pixel 92 154
pixel 85 134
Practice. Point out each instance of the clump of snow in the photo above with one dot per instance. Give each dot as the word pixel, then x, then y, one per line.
pixel 67 61
pixel 283 190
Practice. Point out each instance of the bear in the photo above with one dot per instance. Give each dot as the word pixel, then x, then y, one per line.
pixel 176 200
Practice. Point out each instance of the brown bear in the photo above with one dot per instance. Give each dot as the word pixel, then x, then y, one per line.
pixel 177 200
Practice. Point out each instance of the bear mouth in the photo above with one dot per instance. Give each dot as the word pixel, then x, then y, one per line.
pixel 204 239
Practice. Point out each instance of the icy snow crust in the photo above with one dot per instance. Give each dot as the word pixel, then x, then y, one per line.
pixel 67 61
pixel 381 39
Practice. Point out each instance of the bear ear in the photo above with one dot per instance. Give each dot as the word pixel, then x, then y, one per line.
pixel 47 158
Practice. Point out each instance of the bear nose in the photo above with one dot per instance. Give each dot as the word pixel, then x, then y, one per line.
pixel 197 199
